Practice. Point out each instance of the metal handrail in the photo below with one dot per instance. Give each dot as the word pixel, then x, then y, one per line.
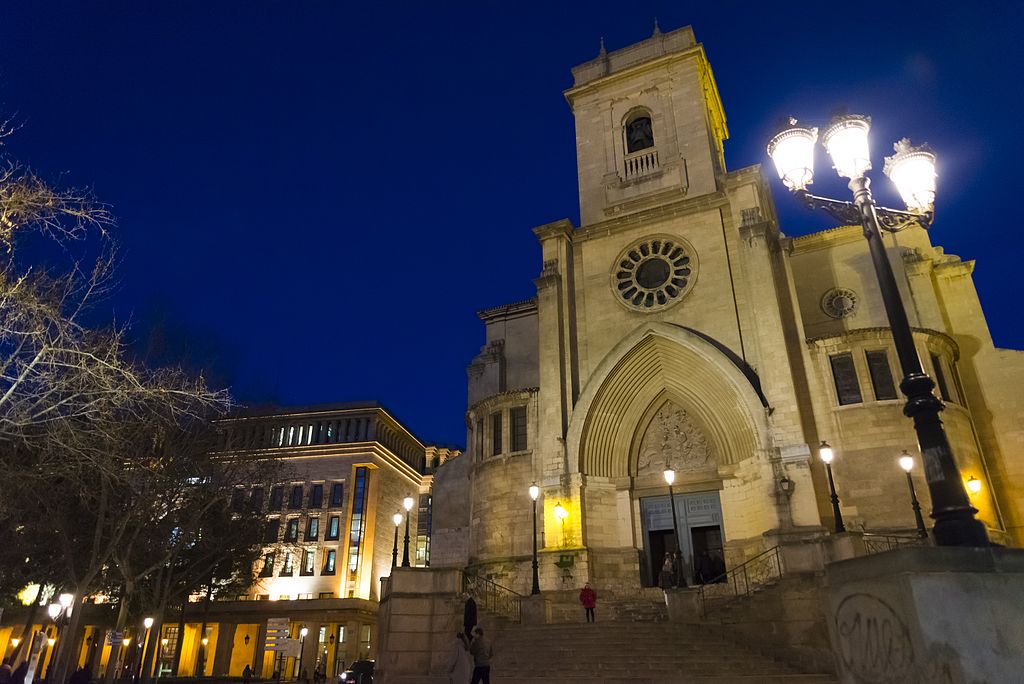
pixel 879 543
pixel 492 596
pixel 742 580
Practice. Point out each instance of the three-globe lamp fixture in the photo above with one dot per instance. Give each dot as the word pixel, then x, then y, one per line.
pixel 912 171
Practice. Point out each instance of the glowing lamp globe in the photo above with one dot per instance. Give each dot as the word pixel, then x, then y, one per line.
pixel 534 491
pixel 303 632
pixel 670 476
pixel 53 610
pixel 148 623
pixel 407 502
pixel 127 640
pixel 15 641
pixel 397 519
pixel 66 600
pixel 912 171
pixel 906 462
pixel 792 151
pixel 50 642
pixel 560 512
pixel 846 140
pixel 825 453
pixel 973 485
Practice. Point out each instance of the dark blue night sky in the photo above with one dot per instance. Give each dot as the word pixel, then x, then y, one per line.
pixel 314 198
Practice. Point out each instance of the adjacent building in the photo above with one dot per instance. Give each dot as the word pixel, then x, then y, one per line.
pixel 329 537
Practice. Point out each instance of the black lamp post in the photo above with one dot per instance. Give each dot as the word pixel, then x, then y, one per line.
pixel 670 478
pixel 397 518
pixel 912 170
pixel 534 493
pixel 826 454
pixel 907 463
pixel 407 502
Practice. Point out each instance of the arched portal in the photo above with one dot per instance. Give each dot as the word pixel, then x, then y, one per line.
pixel 668 395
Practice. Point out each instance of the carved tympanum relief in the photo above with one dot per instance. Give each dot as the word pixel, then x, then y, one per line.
pixel 673 440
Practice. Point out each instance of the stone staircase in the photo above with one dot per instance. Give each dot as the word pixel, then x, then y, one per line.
pixel 638 650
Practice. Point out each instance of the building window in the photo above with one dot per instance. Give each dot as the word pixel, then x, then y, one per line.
pixel 313 529
pixel 238 500
pixel 268 565
pixel 495 434
pixel 276 498
pixel 423 524
pixel 333 527
pixel 337 493
pixel 296 501
pixel 940 378
pixel 881 374
pixel 639 135
pixel 358 520
pixel 271 530
pixel 291 530
pixel 316 496
pixel 364 640
pixel 326 594
pixel 845 375
pixel 288 568
pixel 308 559
pixel 329 562
pixel 517 425
pixel 256 499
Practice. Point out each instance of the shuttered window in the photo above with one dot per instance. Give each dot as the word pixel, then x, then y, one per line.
pixel 881 374
pixel 845 375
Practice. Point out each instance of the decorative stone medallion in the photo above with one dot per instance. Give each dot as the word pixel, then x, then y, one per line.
pixel 654 273
pixel 839 302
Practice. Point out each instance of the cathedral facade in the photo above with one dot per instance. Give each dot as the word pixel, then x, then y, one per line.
pixel 679 328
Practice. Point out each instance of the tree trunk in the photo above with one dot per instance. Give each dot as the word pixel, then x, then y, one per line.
pixel 26 631
pixel 66 641
pixel 122 618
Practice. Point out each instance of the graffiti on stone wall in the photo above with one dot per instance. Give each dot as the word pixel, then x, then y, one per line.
pixel 673 440
pixel 874 643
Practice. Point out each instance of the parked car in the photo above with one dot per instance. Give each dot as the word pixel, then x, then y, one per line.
pixel 359 672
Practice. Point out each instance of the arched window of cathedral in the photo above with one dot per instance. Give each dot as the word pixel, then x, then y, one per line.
pixel 638 132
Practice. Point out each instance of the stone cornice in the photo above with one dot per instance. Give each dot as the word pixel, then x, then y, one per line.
pixel 501 399
pixel 561 228
pixel 523 306
pixel 884 333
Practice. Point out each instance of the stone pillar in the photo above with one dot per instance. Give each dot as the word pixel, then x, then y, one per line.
pixel 222 652
pixel 261 645
pixel 924 614
pixel 99 637
pixel 309 650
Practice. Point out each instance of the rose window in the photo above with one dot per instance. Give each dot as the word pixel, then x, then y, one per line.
pixel 654 274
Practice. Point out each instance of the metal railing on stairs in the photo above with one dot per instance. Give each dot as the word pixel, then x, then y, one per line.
pixel 879 543
pixel 741 581
pixel 493 597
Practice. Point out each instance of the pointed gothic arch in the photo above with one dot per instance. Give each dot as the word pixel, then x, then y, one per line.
pixel 654 362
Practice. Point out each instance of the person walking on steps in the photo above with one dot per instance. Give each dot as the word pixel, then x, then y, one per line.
pixel 480 649
pixel 469 616
pixel 460 663
pixel 588 597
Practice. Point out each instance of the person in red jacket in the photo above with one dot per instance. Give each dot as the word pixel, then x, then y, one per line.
pixel 588 597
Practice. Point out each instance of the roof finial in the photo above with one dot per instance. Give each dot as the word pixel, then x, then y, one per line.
pixel 657 30
pixel 602 52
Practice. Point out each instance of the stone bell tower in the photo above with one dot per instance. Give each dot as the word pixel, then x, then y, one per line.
pixel 647 135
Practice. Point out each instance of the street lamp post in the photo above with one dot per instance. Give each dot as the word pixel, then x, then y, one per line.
pixel 670 478
pixel 534 493
pixel 302 647
pixel 907 463
pixel 148 624
pixel 826 454
pixel 407 502
pixel 912 170
pixel 397 519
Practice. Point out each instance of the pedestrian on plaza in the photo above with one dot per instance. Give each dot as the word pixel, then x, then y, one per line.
pixel 704 568
pixel 588 597
pixel 668 571
pixel 480 649
pixel 247 675
pixel 468 616
pixel 680 564
pixel 460 663
pixel 86 674
pixel 5 671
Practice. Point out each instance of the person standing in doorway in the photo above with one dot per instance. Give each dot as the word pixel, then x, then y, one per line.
pixel 667 572
pixel 480 649
pixel 246 675
pixel 588 597
pixel 469 616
